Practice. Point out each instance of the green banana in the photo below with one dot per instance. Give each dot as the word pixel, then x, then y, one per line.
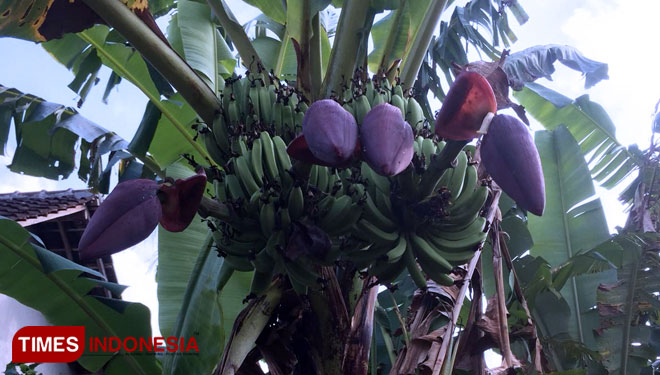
pixel 296 203
pixel 256 162
pixel 394 254
pixel 234 187
pixel 334 216
pixel 276 116
pixel 242 169
pixel 288 121
pixel 454 234
pixel 352 217
pixel 466 243
pixel 428 256
pixel 220 135
pixel 212 147
pixel 361 107
pixel 470 208
pixel 322 179
pixel 376 217
pixel 373 233
pixel 269 156
pixel 458 176
pixel 254 99
pixel 303 275
pixel 413 269
pixel 428 150
pixel 400 103
pixel 283 159
pixel 267 218
pixel 387 272
pixel 415 114
pixel 265 105
pixel 471 180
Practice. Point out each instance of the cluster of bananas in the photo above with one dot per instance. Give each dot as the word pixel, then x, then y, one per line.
pixel 261 189
pixel 428 237
pixel 360 96
pixel 251 104
pixel 368 220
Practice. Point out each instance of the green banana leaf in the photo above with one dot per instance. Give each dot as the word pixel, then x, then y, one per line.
pixel 203 46
pixel 588 122
pixel 47 138
pixel 273 9
pixel 391 36
pixel 536 62
pixel 58 288
pixel 189 301
pixel 628 308
pixel 573 221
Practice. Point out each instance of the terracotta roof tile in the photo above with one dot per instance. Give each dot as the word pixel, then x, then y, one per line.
pixel 21 206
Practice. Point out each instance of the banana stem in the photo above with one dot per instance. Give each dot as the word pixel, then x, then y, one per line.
pixel 438 166
pixel 456 311
pixel 236 32
pixel 247 327
pixel 414 57
pixel 193 89
pixel 346 44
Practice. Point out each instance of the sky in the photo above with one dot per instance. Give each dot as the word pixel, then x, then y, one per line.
pixel 617 32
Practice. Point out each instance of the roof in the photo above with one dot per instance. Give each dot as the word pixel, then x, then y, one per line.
pixel 35 207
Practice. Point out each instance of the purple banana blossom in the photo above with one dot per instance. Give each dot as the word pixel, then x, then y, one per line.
pixel 387 140
pixel 509 155
pixel 126 217
pixel 330 132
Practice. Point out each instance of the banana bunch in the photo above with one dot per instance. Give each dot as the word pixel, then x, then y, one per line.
pixel 360 96
pixel 251 104
pixel 259 186
pixel 428 238
pixel 371 221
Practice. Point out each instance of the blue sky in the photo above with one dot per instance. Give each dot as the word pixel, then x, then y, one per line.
pixel 613 31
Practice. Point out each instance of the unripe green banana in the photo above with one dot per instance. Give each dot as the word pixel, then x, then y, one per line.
pixel 370 232
pixel 361 107
pixel 333 218
pixel 268 153
pixel 413 269
pixel 265 105
pixel 242 170
pixel 277 116
pixel 256 161
pixel 288 121
pixel 428 257
pixel 399 102
pixel 414 114
pixel 296 203
pixel 267 218
pixel 471 180
pixel 458 176
pixel 234 187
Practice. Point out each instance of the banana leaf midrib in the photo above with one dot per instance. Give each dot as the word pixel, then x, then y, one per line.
pixel 567 238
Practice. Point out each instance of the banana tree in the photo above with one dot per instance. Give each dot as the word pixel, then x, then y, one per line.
pixel 344 224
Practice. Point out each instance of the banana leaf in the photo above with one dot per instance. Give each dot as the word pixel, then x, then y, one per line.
pixel 59 288
pixel 610 162
pixel 573 221
pixel 628 307
pixel 47 138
